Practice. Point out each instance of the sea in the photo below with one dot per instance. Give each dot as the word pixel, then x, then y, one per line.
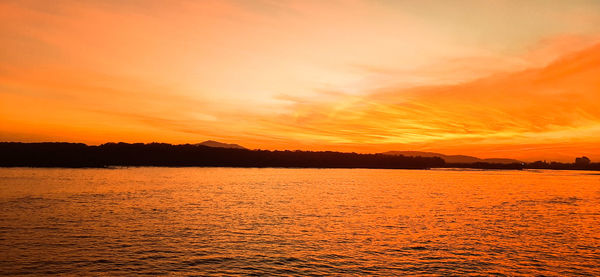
pixel 197 221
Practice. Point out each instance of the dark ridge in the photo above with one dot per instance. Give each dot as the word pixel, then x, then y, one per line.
pixel 454 159
pixel 60 154
pixel 15 154
pixel 484 165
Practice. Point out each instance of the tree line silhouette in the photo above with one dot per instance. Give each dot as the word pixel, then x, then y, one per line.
pixel 162 154
pixel 60 154
pixel 582 163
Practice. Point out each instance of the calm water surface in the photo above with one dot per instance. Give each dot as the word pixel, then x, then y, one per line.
pixel 231 221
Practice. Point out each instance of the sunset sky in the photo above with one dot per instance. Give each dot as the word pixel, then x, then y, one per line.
pixel 511 79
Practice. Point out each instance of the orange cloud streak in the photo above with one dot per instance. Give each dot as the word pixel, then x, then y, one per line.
pixel 547 113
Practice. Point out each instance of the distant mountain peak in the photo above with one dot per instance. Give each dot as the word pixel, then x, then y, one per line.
pixel 212 143
pixel 452 158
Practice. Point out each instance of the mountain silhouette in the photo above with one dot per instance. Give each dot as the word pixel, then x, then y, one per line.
pixel 212 143
pixel 460 159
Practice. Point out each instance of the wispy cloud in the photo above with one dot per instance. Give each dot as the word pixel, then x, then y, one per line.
pixel 555 105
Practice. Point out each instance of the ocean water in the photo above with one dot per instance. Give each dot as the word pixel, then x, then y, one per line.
pixel 234 221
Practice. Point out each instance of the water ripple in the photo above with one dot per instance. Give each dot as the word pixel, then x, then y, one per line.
pixel 301 222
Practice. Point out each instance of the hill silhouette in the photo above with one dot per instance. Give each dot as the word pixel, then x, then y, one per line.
pixel 212 143
pixel 454 159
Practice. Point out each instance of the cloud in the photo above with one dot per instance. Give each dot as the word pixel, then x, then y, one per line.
pixel 549 107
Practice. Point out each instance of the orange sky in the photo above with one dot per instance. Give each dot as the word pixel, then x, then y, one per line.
pixel 513 79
